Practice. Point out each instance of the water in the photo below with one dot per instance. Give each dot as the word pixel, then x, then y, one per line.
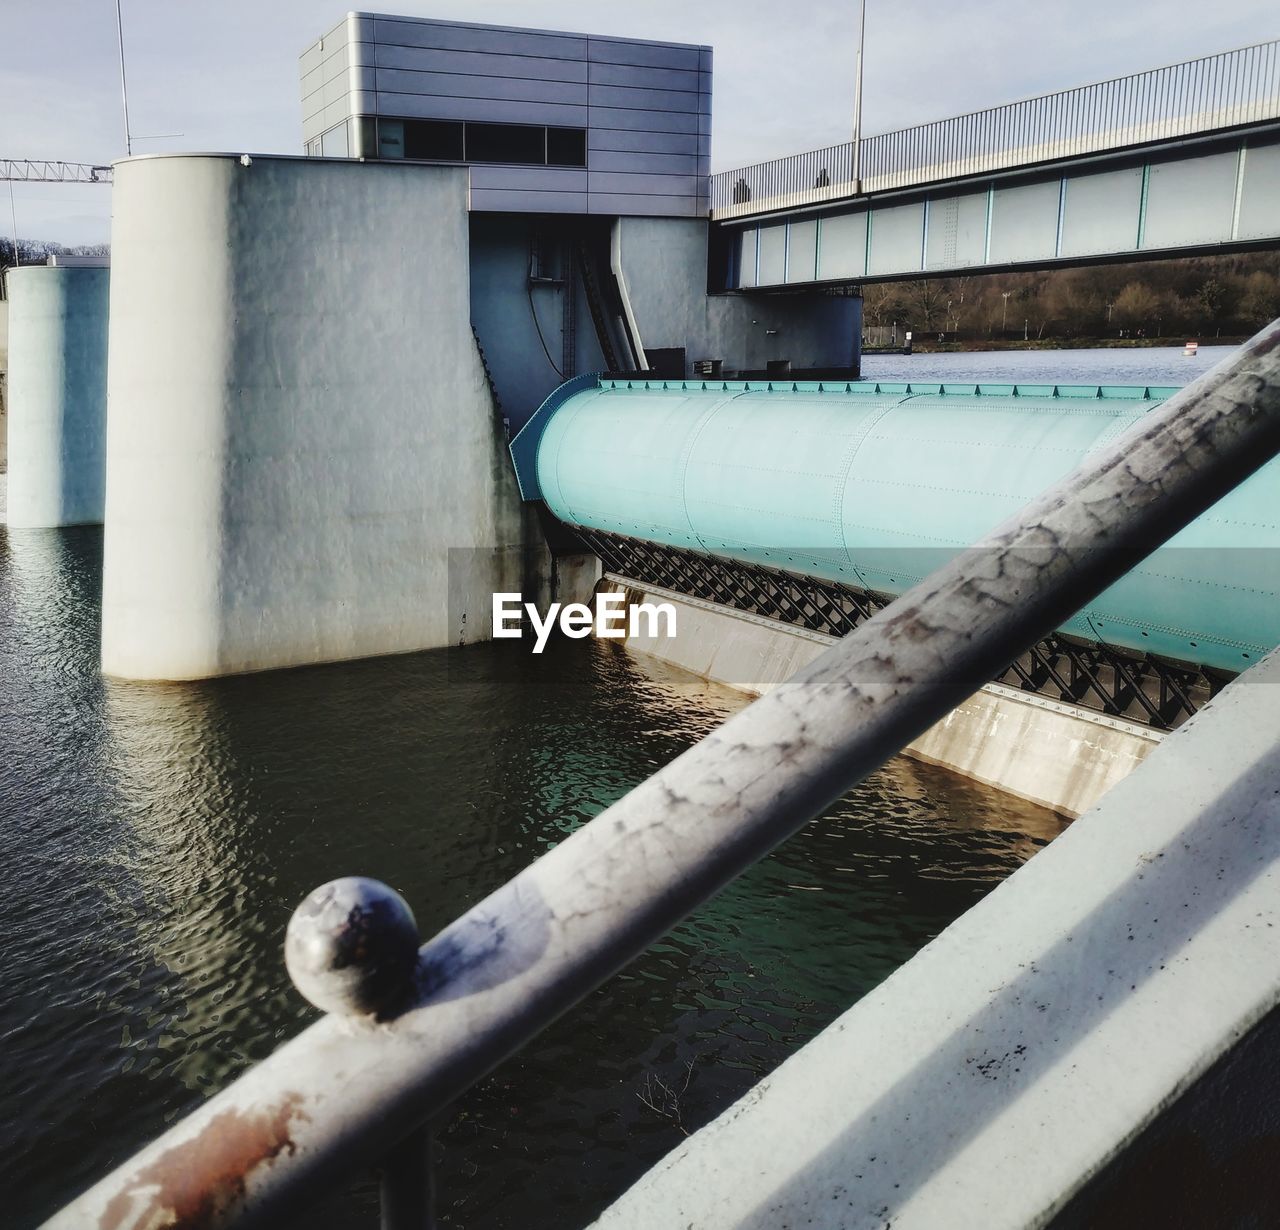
pixel 156 839
pixel 1162 365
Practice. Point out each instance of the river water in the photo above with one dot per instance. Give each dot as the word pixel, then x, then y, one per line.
pixel 156 839
pixel 1160 365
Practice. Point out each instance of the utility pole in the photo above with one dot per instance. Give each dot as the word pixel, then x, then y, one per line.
pixel 124 85
pixel 857 99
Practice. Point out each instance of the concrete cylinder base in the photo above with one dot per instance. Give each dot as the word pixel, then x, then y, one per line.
pixel 57 396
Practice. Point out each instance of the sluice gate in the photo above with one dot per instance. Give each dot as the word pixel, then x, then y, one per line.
pixel 816 502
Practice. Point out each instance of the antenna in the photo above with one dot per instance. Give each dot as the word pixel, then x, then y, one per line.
pixel 857 99
pixel 124 84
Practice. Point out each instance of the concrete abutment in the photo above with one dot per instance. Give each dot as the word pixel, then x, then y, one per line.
pixel 304 462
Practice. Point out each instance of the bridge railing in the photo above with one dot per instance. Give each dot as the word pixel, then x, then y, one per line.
pixel 1198 96
pixel 411 1029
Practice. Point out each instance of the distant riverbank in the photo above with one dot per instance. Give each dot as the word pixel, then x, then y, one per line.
pixel 966 345
pixel 1045 364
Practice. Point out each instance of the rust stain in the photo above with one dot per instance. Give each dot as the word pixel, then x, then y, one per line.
pixel 191 1185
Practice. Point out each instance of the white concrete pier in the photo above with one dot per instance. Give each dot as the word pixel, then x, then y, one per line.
pixel 303 460
pixel 57 403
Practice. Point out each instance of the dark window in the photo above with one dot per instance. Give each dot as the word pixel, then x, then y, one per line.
pixel 669 364
pixel 433 139
pixel 506 143
pixel 566 147
pixel 459 141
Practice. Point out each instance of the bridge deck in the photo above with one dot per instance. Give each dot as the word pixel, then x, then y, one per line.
pixel 1174 161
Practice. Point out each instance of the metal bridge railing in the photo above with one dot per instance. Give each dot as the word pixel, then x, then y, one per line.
pixel 410 1029
pixel 1198 96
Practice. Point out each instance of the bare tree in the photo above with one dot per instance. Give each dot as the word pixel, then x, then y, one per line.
pixel 1136 305
pixel 665 1100
pixel 881 303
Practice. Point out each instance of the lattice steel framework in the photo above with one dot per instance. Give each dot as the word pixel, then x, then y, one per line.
pixel 45 172
pixel 1139 687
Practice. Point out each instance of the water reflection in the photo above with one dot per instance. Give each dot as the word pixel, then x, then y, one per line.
pixel 159 836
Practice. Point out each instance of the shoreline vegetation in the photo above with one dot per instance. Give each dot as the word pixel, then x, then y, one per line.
pixel 1213 300
pixel 977 345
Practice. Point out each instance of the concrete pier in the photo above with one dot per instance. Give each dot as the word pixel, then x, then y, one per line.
pixel 57 395
pixel 304 462
pixel 1060 756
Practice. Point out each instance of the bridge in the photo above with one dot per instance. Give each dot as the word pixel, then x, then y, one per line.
pixel 1051 579
pixel 1170 162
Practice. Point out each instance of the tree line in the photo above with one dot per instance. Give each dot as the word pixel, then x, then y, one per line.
pixel 37 251
pixel 1201 297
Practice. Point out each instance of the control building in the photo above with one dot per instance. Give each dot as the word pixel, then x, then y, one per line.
pixel 549 122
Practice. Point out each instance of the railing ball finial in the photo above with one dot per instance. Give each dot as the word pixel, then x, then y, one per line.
pixel 351 948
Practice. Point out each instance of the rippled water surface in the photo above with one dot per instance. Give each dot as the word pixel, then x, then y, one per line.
pixel 1164 365
pixel 156 838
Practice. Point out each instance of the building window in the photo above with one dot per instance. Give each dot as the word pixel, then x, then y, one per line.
pixel 520 143
pixel 433 140
pixel 334 142
pixel 390 139
pixel 566 147
pixel 459 141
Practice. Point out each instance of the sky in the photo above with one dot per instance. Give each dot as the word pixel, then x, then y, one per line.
pixel 223 74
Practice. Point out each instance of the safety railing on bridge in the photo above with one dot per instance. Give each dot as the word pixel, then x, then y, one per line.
pixel 1198 96
pixel 410 1029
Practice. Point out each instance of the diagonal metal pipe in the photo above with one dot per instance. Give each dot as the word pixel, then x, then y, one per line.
pixel 338 1097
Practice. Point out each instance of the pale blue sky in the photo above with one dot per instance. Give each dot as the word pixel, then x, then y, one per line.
pixel 224 72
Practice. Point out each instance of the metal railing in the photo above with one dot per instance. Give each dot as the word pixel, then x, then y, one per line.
pixel 1198 96
pixel 411 1029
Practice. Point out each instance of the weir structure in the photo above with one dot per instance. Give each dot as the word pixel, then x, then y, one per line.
pixel 948 1084
pixel 781 515
pixel 316 365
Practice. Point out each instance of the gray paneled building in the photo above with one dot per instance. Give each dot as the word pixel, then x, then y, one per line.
pixel 549 122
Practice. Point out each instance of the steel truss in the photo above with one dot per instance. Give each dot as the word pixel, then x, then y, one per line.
pixel 46 172
pixel 1154 691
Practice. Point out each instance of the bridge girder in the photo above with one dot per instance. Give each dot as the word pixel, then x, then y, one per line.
pixel 1196 196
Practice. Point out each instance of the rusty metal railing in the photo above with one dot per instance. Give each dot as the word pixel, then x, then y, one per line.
pixel 409 1028
pixel 1198 96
